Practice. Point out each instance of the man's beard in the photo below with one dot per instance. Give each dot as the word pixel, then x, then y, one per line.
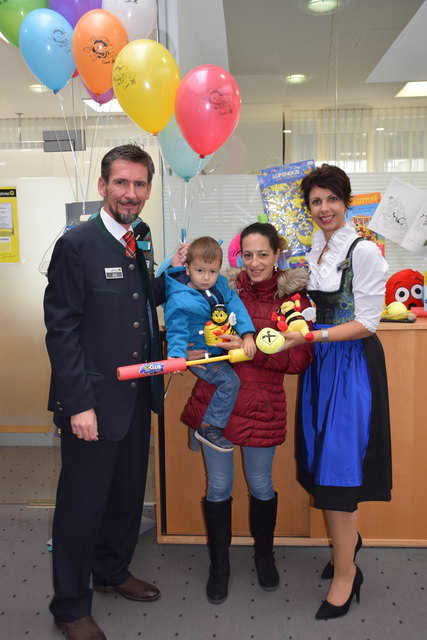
pixel 124 218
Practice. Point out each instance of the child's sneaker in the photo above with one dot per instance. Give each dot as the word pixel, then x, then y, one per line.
pixel 213 438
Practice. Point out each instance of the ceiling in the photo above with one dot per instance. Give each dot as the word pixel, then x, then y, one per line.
pixel 270 39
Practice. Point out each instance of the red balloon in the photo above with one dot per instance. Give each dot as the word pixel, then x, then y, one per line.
pixel 207 108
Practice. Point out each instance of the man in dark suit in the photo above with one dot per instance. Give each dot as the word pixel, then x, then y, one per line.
pixel 100 313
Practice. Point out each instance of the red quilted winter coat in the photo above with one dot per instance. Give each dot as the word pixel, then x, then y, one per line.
pixel 259 415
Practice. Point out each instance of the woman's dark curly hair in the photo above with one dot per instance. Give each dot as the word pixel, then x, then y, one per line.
pixel 327 176
pixel 268 231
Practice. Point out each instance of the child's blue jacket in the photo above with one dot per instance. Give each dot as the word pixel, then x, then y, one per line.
pixel 187 312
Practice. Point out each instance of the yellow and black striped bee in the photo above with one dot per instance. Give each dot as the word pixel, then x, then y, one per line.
pixel 221 323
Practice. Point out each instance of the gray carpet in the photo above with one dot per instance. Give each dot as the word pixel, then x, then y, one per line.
pixel 393 597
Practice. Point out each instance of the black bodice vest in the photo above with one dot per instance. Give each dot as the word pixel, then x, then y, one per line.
pixel 337 307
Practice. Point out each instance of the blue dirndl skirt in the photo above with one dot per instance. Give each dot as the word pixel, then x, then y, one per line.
pixel 343 425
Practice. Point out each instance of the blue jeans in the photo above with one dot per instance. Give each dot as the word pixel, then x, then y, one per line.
pixel 258 464
pixel 227 384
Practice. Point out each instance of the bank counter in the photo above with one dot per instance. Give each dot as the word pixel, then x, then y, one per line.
pixel 181 481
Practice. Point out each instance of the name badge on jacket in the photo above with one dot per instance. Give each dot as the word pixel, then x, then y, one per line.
pixel 112 273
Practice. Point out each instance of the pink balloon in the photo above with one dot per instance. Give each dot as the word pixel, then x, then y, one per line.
pixel 235 252
pixel 207 108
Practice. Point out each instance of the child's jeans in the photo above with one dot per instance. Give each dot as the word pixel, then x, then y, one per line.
pixel 227 384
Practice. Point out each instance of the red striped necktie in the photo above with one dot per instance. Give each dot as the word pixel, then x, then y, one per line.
pixel 129 238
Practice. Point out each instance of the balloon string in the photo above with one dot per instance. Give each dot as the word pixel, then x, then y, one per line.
pixel 73 103
pixel 83 126
pixel 188 202
pixel 98 123
pixel 91 168
pixel 44 262
pixel 45 93
pixel 92 146
pixel 163 159
pixel 77 173
pixel 185 196
pixel 200 165
pixel 66 169
pixel 201 185
pixel 93 165
pixel 76 170
pixel 255 192
pixel 172 211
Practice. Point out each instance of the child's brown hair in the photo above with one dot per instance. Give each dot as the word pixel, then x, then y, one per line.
pixel 205 248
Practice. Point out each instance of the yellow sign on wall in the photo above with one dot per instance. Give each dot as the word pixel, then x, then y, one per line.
pixel 9 237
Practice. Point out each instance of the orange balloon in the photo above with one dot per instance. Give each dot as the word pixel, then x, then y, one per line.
pixel 98 37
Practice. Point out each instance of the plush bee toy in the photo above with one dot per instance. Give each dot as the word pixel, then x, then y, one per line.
pixel 290 318
pixel 220 324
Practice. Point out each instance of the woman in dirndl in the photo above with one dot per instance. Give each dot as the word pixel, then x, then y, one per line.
pixel 343 434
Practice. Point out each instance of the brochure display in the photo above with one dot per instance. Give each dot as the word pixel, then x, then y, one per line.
pixel 9 238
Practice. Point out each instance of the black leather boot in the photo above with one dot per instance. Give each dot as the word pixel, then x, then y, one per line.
pixel 218 525
pixel 263 520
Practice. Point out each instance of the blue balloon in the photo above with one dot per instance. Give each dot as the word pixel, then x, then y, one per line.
pixel 178 154
pixel 164 265
pixel 45 44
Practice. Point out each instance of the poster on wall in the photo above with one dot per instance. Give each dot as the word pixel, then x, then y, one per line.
pixel 283 203
pixel 362 208
pixel 9 237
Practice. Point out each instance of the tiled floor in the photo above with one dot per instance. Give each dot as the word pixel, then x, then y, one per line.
pixel 393 597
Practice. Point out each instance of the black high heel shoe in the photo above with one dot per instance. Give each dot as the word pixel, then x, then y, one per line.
pixel 328 571
pixel 328 610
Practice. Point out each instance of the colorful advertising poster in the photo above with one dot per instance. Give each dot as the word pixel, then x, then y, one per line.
pixel 283 204
pixel 9 238
pixel 360 212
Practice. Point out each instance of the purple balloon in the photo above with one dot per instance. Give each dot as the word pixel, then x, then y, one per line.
pixel 73 10
pixel 102 98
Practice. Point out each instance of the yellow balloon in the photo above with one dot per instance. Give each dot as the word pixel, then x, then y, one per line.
pixel 145 80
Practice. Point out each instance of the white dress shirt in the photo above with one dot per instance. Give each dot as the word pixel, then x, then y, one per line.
pixel 115 228
pixel 369 272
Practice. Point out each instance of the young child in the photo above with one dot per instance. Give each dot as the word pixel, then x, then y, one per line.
pixel 192 294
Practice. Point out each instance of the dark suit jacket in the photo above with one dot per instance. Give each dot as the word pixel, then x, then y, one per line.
pixel 95 323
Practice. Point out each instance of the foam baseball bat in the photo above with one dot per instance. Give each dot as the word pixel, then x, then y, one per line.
pixel 173 365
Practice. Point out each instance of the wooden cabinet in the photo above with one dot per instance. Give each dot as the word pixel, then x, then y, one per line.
pixel 181 480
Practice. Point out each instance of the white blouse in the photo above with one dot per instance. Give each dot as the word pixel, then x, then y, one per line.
pixel 369 269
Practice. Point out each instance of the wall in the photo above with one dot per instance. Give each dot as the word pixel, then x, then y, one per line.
pixel 221 205
pixel 25 371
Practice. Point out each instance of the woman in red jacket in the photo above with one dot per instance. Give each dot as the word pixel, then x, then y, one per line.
pixel 258 422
